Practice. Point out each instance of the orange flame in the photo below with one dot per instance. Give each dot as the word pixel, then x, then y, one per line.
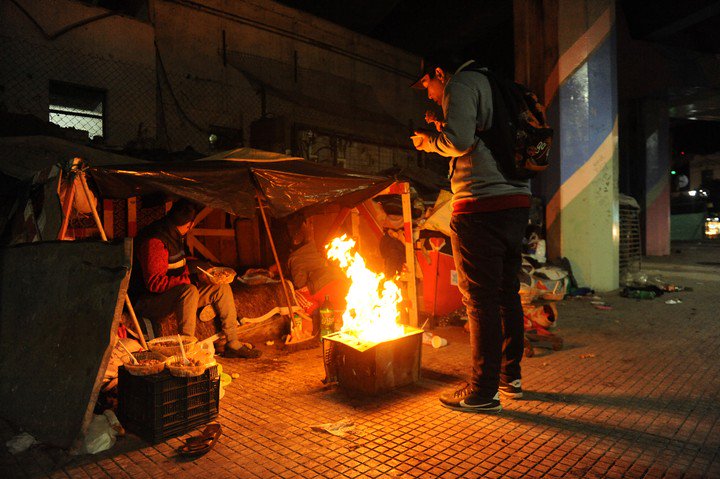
pixel 372 301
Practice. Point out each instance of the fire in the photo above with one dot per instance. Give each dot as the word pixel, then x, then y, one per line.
pixel 372 301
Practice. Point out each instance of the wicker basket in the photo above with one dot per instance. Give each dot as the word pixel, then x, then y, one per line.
pixel 169 346
pixel 176 366
pixel 221 275
pixel 144 369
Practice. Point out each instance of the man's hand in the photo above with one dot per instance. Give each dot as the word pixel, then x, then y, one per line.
pixel 421 140
pixel 432 119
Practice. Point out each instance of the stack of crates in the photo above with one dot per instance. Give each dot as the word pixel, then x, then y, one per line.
pixel 162 406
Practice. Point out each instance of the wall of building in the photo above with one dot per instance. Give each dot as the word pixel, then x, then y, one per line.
pixel 172 81
pixel 112 53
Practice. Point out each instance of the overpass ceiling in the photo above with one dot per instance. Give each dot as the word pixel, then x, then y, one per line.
pixel 483 29
pixel 480 29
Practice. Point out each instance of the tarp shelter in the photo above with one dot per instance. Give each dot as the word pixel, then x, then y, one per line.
pixel 31 186
pixel 22 157
pixel 231 181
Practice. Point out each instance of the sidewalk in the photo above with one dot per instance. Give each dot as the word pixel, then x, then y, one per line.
pixel 635 393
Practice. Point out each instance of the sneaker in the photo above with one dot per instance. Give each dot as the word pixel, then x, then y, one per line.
pixel 465 399
pixel 512 389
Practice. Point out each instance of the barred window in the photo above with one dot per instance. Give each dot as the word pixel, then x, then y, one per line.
pixel 79 107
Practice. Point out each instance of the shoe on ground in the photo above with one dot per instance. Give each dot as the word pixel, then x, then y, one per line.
pixel 241 352
pixel 467 400
pixel 512 389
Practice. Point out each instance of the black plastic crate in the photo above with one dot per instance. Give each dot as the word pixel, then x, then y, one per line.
pixel 161 406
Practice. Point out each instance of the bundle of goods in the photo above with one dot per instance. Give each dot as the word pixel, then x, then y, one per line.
pixel 144 363
pixel 170 345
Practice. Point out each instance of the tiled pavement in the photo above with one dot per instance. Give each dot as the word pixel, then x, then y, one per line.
pixel 634 393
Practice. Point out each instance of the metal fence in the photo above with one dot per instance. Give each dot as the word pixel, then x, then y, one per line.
pixel 155 108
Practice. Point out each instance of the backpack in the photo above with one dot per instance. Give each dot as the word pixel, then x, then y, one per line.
pixel 519 138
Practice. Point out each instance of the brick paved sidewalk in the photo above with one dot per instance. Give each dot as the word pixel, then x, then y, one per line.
pixel 633 394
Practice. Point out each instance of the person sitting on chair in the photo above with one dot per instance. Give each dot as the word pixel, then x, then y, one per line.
pixel 161 279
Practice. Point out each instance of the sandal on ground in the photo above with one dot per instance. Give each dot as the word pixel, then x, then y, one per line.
pixel 199 445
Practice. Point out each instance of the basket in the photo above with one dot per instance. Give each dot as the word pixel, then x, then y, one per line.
pixel 143 369
pixel 178 369
pixel 169 346
pixel 221 275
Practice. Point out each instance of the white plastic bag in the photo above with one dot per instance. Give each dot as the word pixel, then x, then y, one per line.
pixel 100 436
pixel 20 443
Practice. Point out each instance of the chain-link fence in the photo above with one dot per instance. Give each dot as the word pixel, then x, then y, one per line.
pixel 154 107
pixel 29 70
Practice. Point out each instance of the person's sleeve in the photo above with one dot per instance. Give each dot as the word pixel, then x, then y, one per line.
pixel 460 105
pixel 153 258
pixel 298 273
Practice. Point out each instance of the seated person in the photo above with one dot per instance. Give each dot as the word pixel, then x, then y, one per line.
pixel 161 284
pixel 309 268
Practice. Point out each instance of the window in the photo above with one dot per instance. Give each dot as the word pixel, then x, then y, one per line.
pixel 79 107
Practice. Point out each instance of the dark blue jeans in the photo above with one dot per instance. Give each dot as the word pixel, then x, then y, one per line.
pixel 487 248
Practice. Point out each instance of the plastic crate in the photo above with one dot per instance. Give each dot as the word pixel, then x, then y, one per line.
pixel 162 406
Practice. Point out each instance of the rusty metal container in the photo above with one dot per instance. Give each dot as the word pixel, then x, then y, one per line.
pixel 375 368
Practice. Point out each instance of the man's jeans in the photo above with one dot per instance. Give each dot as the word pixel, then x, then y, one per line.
pixel 185 301
pixel 487 248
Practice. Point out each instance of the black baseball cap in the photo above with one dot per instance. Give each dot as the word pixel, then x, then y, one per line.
pixel 425 69
pixel 449 61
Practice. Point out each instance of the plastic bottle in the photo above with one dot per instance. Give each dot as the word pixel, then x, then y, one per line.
pixel 640 294
pixel 327 317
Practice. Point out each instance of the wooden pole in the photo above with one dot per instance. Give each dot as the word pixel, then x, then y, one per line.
pixel 66 208
pixel 99 225
pixel 69 197
pixel 409 253
pixel 277 260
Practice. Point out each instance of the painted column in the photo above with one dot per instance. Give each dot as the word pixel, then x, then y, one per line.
pixel 577 75
pixel 656 204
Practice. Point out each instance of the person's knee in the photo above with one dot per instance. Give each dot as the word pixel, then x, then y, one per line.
pixel 188 293
pixel 225 290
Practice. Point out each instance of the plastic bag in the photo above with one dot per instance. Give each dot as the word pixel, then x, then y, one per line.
pixel 100 436
pixel 20 443
pixel 204 353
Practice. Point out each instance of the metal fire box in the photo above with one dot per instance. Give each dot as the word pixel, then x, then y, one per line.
pixel 369 369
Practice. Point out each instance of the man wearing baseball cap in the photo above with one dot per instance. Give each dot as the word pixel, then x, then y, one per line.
pixel 490 213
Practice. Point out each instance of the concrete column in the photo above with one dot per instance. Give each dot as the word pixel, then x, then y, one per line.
pixel 576 40
pixel 656 202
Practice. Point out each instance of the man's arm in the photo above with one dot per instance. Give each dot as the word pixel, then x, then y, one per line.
pixel 460 104
pixel 153 257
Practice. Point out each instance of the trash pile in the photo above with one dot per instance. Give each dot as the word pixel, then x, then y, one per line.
pixel 636 285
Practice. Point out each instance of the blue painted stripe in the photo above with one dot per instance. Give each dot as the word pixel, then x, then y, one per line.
pixel 583 114
pixel 588 106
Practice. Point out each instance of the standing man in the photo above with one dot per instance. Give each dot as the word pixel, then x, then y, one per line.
pixel 490 213
pixel 161 279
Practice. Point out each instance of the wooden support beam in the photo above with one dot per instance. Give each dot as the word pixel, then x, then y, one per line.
pixel 339 220
pixel 211 232
pixel 132 217
pixel 194 244
pixel 108 218
pixel 410 256
pixel 374 226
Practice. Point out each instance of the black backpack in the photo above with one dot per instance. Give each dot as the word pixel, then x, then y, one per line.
pixel 519 138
